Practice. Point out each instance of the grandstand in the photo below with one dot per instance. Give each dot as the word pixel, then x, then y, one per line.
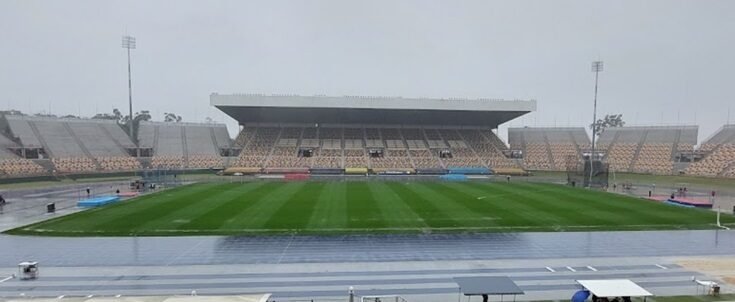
pixel 294 134
pixel 39 145
pixel 647 149
pixel 548 148
pixel 384 134
pixel 718 153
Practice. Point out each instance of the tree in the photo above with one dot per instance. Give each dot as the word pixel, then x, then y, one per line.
pixel 115 116
pixel 171 118
pixel 143 115
pixel 609 121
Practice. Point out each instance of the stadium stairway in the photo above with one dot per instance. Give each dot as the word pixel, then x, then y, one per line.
pixel 675 147
pixel 275 142
pixel 548 151
pixel 110 136
pixel 155 139
pixel 41 140
pixel 727 168
pixel 576 145
pixel 82 146
pixel 185 147
pixel 637 153
pixel 214 139
pixel 45 163
pixel 145 162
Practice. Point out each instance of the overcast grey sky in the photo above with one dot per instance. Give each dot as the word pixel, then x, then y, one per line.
pixel 666 62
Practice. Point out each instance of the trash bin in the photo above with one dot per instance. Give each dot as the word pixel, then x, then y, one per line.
pixel 51 207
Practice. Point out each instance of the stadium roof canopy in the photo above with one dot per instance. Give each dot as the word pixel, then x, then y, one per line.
pixel 257 108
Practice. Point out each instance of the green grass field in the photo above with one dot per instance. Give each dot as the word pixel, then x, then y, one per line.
pixel 346 207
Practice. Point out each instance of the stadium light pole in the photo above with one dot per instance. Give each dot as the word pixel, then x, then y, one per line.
pixel 596 68
pixel 128 42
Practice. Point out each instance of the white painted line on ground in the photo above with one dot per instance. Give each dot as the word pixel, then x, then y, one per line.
pixel 550 269
pixel 571 269
pixel 661 266
pixel 6 279
pixel 592 268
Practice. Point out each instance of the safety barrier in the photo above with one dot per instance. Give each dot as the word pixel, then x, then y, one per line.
pixel 466 170
pixel 453 177
pixel 326 171
pixel 431 171
pixel 243 170
pixel 296 176
pixel 356 170
pixel 286 170
pixel 396 171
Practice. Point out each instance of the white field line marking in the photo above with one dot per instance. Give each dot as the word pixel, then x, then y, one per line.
pixel 661 266
pixel 550 269
pixel 592 268
pixel 571 269
pixel 283 253
pixel 6 279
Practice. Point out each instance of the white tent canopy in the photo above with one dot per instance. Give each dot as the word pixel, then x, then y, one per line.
pixel 614 288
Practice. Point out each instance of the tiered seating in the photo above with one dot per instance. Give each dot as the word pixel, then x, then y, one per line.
pixel 484 145
pixel 536 157
pixel 118 163
pixel 715 163
pixel 167 162
pixel 392 158
pixel 719 159
pixel 327 158
pixel 287 157
pixel 620 155
pixel 203 161
pixel 424 159
pixel 74 164
pixel 259 147
pixel 288 162
pixel 562 153
pixel 462 157
pixel 244 136
pixel 549 148
pixel 355 158
pixel 188 145
pixel 12 165
pixel 654 159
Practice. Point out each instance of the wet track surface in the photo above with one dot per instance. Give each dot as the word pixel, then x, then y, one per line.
pixel 131 251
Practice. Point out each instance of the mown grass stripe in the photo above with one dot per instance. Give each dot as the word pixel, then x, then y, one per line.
pixel 362 210
pixel 227 208
pixel 430 214
pixel 296 211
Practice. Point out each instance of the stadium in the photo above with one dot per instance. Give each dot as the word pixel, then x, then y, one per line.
pixel 355 181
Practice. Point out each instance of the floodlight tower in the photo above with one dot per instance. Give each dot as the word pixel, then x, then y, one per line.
pixel 596 68
pixel 128 42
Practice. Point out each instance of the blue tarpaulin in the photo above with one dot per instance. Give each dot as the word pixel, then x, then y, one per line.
pixel 581 296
